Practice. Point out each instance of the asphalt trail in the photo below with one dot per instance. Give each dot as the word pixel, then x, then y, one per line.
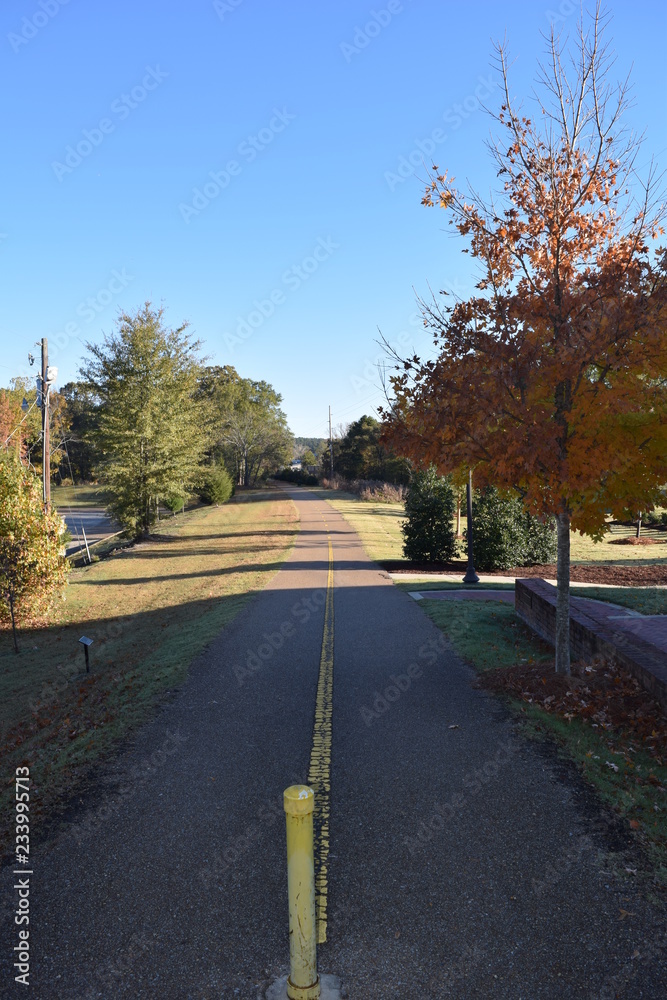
pixel 461 864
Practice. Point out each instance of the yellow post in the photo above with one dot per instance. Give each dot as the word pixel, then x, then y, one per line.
pixel 303 982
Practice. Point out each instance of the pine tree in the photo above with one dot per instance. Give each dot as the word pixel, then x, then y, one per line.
pixel 151 428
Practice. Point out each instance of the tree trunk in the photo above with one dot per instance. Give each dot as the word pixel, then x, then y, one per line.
pixel 639 526
pixel 458 515
pixel 563 596
pixel 11 611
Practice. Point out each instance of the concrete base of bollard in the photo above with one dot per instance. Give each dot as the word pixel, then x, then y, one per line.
pixel 331 989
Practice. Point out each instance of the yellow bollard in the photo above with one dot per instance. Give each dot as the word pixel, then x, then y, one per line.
pixel 303 982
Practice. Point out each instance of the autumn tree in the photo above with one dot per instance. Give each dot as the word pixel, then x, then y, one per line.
pixel 20 432
pixel 550 379
pixel 149 429
pixel 33 568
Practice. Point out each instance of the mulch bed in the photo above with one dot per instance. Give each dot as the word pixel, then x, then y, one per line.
pixel 633 540
pixel 604 695
pixel 619 576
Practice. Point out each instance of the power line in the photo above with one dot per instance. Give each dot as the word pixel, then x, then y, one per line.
pixel 21 422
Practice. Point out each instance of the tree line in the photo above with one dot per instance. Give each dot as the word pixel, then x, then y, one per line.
pixel 152 421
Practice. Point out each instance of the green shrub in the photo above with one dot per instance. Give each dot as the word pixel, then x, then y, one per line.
pixel 541 541
pixel 297 476
pixel 506 535
pixel 217 486
pixel 428 532
pixel 175 503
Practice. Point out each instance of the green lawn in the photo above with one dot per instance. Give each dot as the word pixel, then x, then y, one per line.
pixel 377 524
pixel 379 527
pixel 646 600
pixel 487 633
pixel 150 610
pixel 491 637
pixel 66 497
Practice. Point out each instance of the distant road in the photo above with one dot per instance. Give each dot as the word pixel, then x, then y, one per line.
pixel 94 520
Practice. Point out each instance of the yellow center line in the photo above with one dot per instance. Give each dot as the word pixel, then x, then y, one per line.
pixel 319 773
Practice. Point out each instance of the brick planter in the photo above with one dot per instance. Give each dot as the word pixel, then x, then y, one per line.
pixel 593 633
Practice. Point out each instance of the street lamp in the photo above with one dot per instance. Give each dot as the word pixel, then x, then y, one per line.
pixel 471 576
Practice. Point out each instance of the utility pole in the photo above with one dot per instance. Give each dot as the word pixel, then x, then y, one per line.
pixel 46 437
pixel 330 447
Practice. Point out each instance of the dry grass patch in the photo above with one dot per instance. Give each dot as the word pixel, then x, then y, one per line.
pixel 150 609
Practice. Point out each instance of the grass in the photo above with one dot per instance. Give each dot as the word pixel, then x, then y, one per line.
pixel 377 524
pixel 491 637
pixel 487 634
pixel 638 802
pixel 426 585
pixel 379 527
pixel 150 610
pixel 646 600
pixel 64 497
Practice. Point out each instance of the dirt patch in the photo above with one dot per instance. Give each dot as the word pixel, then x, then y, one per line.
pixel 618 576
pixel 601 694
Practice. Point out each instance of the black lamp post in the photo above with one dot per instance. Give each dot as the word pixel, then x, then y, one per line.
pixel 471 576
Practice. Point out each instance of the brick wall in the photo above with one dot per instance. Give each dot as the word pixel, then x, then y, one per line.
pixel 592 635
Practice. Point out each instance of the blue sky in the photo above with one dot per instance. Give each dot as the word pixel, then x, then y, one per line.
pixel 293 122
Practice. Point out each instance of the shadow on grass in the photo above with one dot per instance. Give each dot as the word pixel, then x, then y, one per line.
pixel 59 721
pixel 292 566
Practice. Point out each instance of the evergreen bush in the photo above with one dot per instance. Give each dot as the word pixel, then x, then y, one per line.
pixel 217 486
pixel 506 535
pixel 428 532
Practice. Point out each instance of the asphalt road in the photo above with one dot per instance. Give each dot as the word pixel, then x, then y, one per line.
pixel 93 520
pixel 464 862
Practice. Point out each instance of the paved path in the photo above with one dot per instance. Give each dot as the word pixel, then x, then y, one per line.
pixel 506 596
pixel 461 864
